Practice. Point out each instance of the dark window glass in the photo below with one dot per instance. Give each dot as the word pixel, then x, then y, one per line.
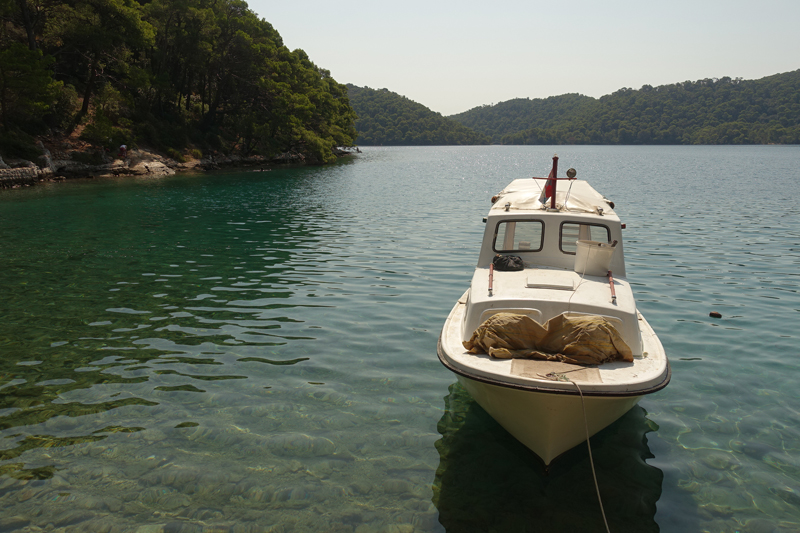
pixel 571 232
pixel 518 236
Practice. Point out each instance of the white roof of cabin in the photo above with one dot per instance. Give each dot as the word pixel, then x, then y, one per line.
pixel 523 195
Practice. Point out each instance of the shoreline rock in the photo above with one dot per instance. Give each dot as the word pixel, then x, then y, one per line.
pixel 139 162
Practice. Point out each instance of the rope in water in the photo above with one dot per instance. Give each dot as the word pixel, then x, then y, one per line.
pixel 561 377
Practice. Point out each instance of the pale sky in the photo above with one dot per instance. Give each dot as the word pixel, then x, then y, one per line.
pixel 453 56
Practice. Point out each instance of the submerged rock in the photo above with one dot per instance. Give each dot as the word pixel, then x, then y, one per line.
pixel 164 498
pixel 396 486
pixel 13 523
pixel 301 445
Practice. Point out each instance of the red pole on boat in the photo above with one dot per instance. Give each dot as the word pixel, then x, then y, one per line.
pixel 613 292
pixel 551 183
pixel 491 278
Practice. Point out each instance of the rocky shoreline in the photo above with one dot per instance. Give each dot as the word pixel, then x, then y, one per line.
pixel 61 165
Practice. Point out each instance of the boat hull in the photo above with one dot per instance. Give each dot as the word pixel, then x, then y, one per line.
pixel 548 416
pixel 547 423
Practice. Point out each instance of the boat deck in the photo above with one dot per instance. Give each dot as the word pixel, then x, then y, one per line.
pixel 543 293
pixel 648 372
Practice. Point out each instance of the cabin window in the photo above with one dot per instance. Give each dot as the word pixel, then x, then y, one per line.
pixel 574 231
pixel 518 236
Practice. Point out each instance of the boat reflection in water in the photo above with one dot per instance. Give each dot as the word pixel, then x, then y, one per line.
pixel 489 481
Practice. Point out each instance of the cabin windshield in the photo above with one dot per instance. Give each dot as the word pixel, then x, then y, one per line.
pixel 519 236
pixel 571 232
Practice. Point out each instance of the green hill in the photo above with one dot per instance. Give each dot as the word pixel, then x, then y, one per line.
pixel 709 111
pixel 389 119
pixel 179 75
pixel 521 114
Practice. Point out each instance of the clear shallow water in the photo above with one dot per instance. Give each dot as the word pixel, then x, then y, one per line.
pixel 256 351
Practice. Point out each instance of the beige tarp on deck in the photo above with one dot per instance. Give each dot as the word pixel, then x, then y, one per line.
pixel 578 340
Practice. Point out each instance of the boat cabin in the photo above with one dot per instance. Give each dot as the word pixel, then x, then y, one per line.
pixel 561 267
pixel 519 224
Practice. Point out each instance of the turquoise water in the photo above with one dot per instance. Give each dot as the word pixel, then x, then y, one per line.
pixel 257 351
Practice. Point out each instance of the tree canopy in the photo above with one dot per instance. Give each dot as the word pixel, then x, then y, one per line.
pixel 708 111
pixel 386 118
pixel 175 74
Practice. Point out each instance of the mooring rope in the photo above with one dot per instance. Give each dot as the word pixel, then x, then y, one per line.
pixel 561 377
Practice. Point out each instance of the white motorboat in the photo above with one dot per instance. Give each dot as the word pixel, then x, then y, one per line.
pixel 570 241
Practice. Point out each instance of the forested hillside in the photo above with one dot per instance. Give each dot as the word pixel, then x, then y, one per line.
pixel 710 111
pixel 386 118
pixel 179 75
pixel 522 113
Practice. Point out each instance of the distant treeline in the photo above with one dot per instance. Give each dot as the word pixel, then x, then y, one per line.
pixel 388 119
pixel 179 75
pixel 710 111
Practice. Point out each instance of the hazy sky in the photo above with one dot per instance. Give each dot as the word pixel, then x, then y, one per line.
pixel 453 56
